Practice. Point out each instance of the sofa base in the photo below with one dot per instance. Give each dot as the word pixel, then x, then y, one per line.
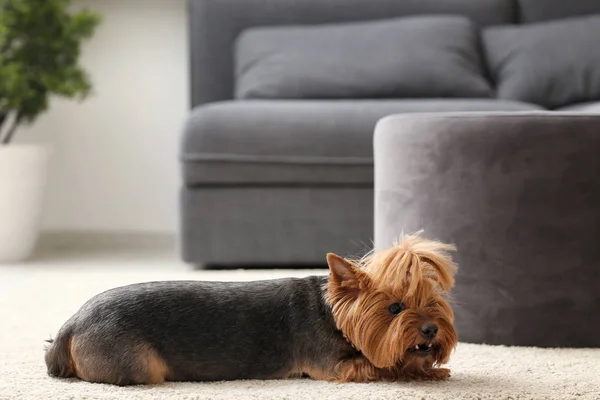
pixel 235 227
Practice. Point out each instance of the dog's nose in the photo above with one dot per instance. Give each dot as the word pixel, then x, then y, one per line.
pixel 429 330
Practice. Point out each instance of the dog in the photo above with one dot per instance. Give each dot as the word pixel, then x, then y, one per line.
pixel 384 317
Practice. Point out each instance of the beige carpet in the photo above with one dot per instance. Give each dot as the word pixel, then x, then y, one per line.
pixel 35 301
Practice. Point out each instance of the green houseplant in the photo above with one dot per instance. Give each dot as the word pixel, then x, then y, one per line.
pixel 40 43
pixel 40 46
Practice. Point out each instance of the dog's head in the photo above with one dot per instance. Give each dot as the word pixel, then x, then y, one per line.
pixel 393 305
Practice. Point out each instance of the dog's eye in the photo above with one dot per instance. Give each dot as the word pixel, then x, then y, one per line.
pixel 396 308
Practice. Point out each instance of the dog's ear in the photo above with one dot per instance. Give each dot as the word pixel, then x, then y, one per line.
pixel 345 273
pixel 340 267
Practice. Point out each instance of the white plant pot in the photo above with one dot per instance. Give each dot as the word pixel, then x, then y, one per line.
pixel 23 176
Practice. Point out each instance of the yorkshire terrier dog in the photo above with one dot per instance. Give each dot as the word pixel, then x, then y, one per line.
pixel 385 317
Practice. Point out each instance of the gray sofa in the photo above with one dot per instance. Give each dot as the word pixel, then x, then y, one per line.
pixel 277 159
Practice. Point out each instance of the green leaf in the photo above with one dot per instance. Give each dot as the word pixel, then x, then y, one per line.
pixel 40 47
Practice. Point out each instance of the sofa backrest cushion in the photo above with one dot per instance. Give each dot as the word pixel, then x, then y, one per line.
pixel 215 24
pixel 546 10
pixel 411 57
pixel 553 64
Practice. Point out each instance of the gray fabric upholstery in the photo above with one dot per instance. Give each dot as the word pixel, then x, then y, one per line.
pixel 545 10
pixel 283 182
pixel 297 142
pixel 410 57
pixel 215 24
pixel 519 195
pixel 588 108
pixel 266 226
pixel 552 64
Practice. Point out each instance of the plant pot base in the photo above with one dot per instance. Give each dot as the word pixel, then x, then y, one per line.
pixel 23 173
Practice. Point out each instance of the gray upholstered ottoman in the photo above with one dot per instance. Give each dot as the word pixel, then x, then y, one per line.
pixel 519 194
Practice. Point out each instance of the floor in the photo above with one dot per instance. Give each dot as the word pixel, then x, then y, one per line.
pixel 37 297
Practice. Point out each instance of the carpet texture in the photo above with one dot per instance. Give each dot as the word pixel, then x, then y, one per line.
pixel 35 303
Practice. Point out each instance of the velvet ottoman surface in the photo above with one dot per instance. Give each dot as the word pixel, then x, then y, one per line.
pixel 519 194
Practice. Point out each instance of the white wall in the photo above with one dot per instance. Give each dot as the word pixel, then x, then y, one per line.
pixel 114 166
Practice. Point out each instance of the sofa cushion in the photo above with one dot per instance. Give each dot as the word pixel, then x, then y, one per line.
pixel 546 10
pixel 299 142
pixel 215 25
pixel 412 57
pixel 553 64
pixel 588 108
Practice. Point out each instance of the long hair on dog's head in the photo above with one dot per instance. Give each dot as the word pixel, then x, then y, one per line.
pixel 393 305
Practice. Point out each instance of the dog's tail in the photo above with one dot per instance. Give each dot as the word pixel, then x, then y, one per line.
pixel 58 355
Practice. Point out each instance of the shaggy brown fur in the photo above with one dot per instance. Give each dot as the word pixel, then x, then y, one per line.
pixel 383 317
pixel 417 274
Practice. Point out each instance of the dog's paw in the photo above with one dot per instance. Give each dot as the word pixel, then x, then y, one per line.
pixel 438 374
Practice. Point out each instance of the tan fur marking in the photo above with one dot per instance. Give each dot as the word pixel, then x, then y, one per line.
pixel 155 366
pixel 75 361
pixel 149 367
pixel 361 370
pixel 319 374
pixel 72 371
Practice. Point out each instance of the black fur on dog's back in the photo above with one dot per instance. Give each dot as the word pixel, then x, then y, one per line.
pixel 203 330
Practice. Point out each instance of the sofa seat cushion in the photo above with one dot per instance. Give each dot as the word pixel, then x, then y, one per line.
pixel 588 108
pixel 298 142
